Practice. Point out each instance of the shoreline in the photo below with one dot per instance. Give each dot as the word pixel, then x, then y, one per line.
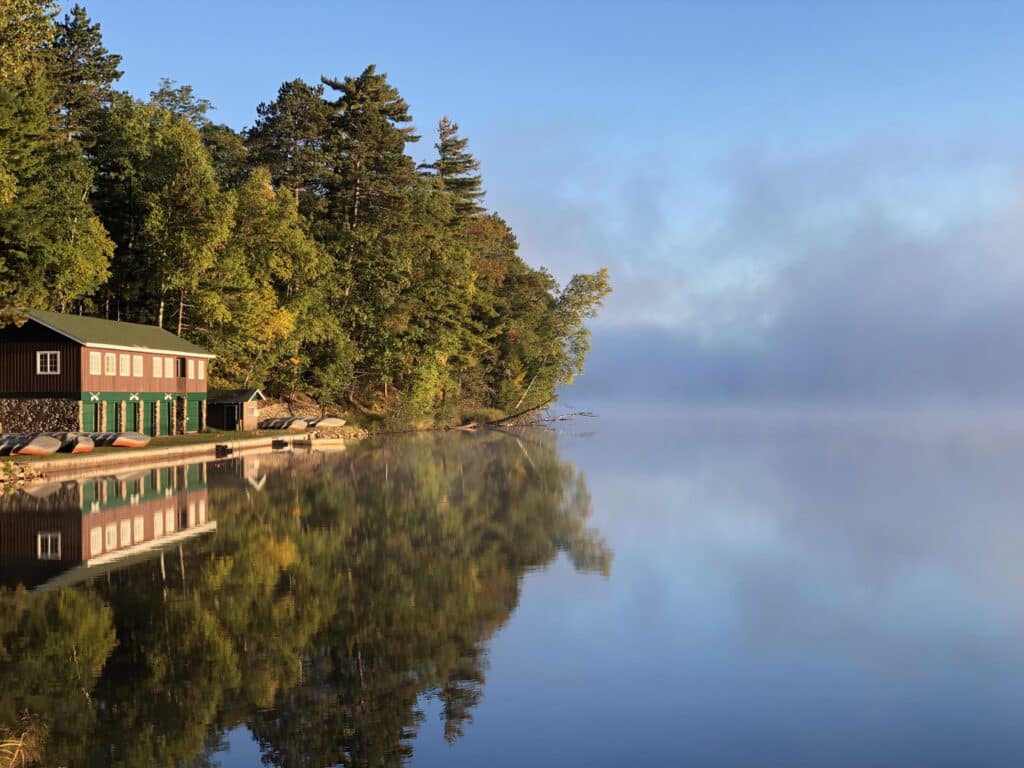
pixel 15 473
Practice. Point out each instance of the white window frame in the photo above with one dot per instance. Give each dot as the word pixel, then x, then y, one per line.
pixel 124 365
pixel 109 364
pixel 95 363
pixel 191 365
pixel 158 367
pixel 168 367
pixel 201 369
pixel 52 542
pixel 126 533
pixel 137 366
pixel 95 540
pixel 51 356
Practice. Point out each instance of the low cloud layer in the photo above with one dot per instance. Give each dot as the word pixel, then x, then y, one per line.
pixel 877 274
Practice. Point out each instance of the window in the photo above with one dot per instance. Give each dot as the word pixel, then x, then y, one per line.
pixel 95 541
pixel 169 520
pixel 48 546
pixel 191 368
pixel 137 366
pixel 201 366
pixel 95 363
pixel 139 528
pixel 110 364
pixel 168 367
pixel 202 511
pixel 158 524
pixel 110 536
pixel 126 365
pixel 158 368
pixel 179 367
pixel 126 533
pixel 48 363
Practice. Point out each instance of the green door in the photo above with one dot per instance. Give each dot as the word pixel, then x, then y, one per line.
pixel 89 416
pixel 112 410
pixel 165 416
pixel 192 414
pixel 131 417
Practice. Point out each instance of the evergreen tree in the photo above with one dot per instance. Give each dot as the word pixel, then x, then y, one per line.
pixel 455 169
pixel 83 72
pixel 288 139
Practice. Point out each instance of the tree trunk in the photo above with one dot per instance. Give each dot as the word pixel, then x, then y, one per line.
pixel 160 313
pixel 181 312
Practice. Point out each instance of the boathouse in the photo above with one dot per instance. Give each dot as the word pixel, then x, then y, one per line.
pixel 70 373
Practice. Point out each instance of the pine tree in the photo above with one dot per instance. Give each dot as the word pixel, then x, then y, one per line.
pixel 456 169
pixel 83 72
pixel 370 127
pixel 288 139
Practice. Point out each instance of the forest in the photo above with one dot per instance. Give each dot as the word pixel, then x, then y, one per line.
pixel 309 252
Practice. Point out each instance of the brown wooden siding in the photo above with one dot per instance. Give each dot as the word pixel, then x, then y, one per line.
pixel 145 383
pixel 18 532
pixel 18 347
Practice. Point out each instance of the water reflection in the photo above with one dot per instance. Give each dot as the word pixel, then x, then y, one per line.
pixel 338 591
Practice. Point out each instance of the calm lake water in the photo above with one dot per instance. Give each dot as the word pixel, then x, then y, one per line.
pixel 718 588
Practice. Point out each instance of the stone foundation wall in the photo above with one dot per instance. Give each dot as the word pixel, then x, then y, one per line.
pixel 30 414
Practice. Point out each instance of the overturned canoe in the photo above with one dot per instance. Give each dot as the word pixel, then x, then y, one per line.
pixel 296 424
pixel 35 445
pixel 327 421
pixel 120 439
pixel 73 442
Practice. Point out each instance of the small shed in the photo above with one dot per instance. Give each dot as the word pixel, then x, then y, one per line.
pixel 234 408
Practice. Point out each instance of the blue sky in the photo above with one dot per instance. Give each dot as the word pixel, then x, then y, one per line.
pixel 743 168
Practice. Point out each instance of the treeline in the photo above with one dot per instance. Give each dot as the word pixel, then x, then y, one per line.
pixel 309 252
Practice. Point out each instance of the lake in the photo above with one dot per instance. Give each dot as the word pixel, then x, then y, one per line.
pixel 718 587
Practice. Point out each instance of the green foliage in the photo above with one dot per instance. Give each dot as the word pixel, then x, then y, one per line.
pixel 456 169
pixel 307 252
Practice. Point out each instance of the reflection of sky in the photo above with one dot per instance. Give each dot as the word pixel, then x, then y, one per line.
pixel 807 592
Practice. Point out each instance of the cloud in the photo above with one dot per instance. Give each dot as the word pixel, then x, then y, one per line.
pixel 881 272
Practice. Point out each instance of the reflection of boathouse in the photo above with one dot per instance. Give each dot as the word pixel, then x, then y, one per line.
pixel 50 530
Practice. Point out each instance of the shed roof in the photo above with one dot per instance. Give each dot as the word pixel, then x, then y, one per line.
pixel 234 395
pixel 96 332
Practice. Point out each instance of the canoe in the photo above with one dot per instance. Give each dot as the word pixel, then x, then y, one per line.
pixel 121 439
pixel 327 421
pixel 131 440
pixel 73 442
pixel 295 424
pixel 35 445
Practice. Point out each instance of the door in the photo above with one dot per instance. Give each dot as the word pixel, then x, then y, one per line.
pixel 191 415
pixel 112 412
pixel 153 413
pixel 131 417
pixel 90 415
pixel 165 416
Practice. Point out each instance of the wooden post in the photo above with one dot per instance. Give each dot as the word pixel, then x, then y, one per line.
pixel 122 412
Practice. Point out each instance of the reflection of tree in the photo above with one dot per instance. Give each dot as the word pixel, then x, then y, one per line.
pixel 323 610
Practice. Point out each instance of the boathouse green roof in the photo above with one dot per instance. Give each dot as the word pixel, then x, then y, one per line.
pixel 96 332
